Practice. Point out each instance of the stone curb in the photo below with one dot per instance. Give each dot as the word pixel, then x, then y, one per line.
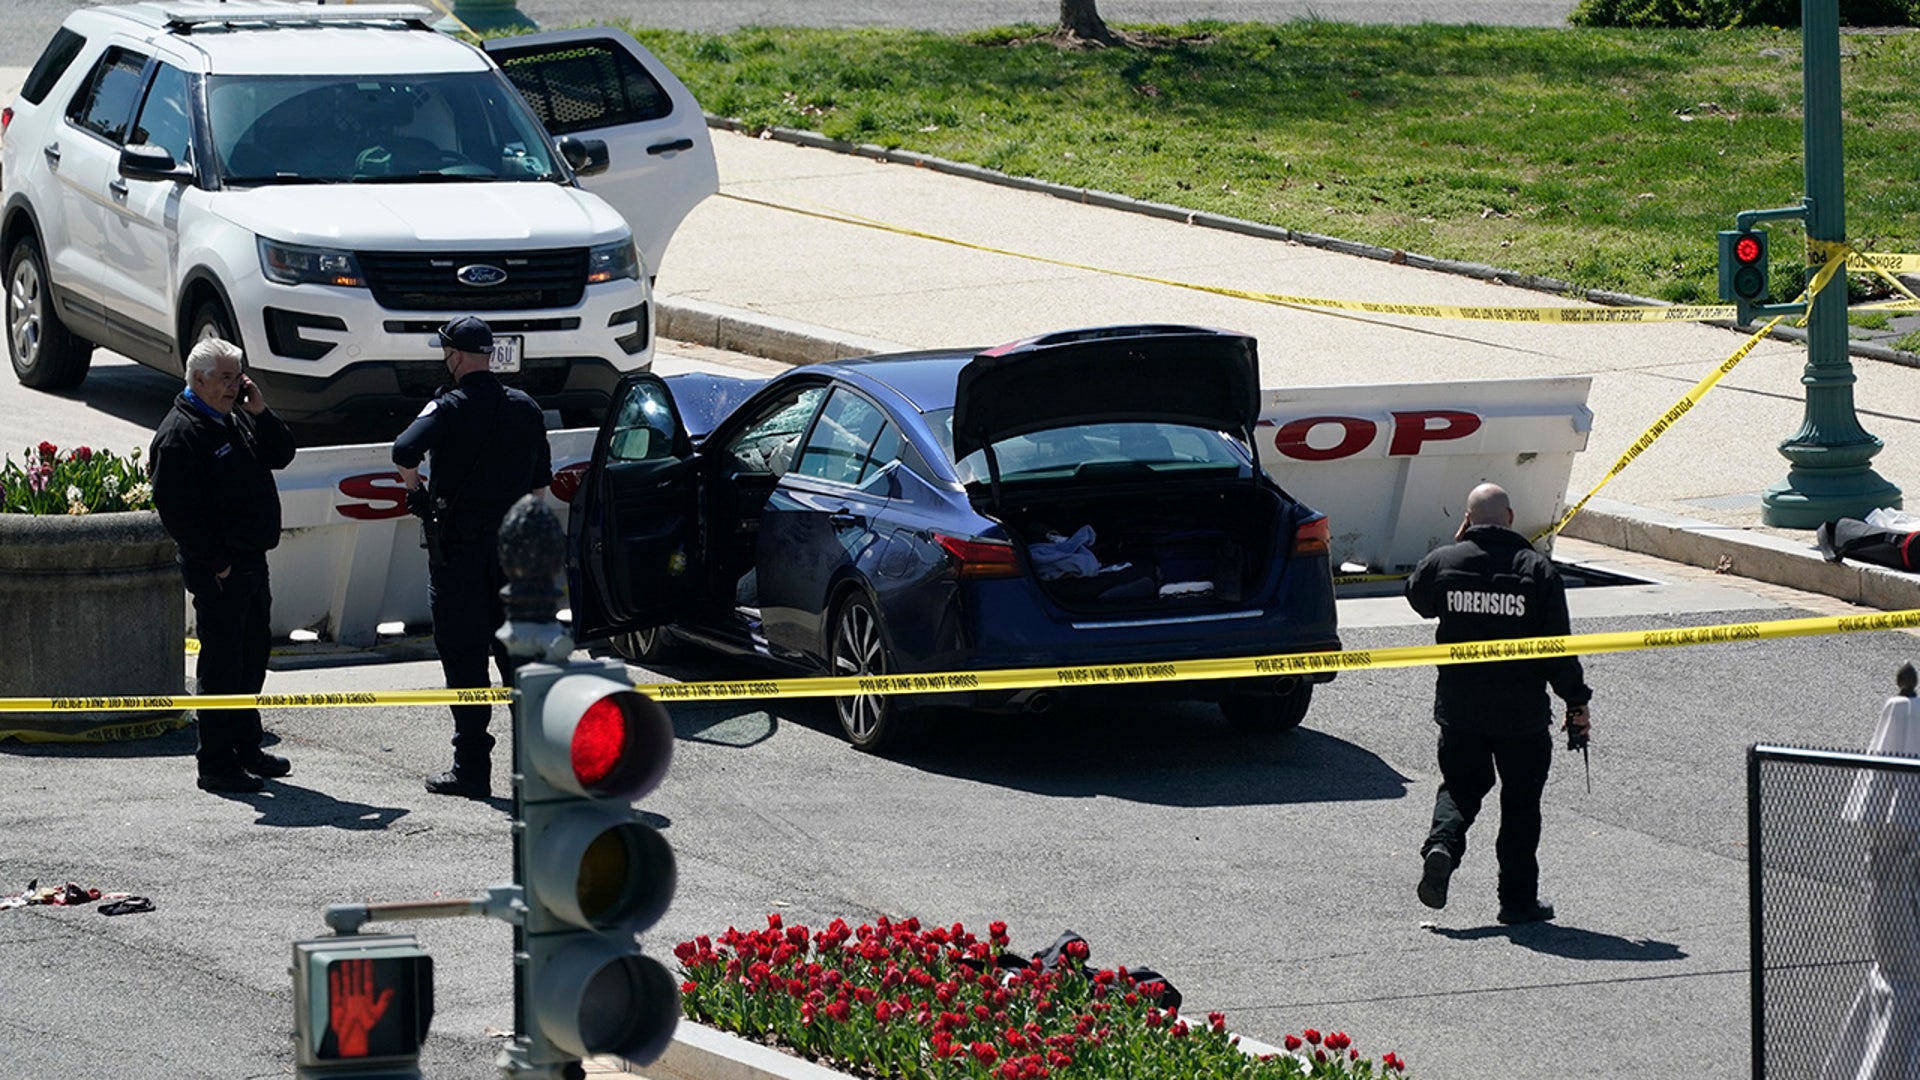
pixel 699 1052
pixel 767 336
pixel 1743 553
pixel 1169 212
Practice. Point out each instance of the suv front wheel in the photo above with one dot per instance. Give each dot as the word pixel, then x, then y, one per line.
pixel 210 320
pixel 46 355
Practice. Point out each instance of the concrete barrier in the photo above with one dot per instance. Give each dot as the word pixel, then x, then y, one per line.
pixel 1391 464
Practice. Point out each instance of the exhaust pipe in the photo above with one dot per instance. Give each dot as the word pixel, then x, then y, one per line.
pixel 1286 684
pixel 1035 702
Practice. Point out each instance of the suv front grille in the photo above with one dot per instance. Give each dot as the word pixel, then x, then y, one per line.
pixel 411 281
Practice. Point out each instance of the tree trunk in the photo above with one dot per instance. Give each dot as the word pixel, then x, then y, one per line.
pixel 1080 19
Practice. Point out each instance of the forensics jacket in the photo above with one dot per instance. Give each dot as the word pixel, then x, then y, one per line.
pixel 213 482
pixel 1492 585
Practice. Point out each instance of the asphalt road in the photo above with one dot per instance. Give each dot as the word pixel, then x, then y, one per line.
pixel 1267 877
pixel 30 23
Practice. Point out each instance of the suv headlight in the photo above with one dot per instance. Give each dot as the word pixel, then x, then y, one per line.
pixel 611 262
pixel 294 264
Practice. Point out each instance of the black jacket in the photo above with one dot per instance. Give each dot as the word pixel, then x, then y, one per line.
pixel 213 482
pixel 488 443
pixel 1489 586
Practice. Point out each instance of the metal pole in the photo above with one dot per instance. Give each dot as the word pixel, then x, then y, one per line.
pixel 1828 474
pixel 1756 912
pixel 485 16
pixel 533 552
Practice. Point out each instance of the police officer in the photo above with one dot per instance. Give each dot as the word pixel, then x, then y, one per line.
pixel 1495 718
pixel 213 458
pixel 485 445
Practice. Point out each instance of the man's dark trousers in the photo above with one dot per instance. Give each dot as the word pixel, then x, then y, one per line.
pixel 232 619
pixel 1469 764
pixel 464 596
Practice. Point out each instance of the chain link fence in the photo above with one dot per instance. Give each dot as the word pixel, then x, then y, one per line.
pixel 1834 870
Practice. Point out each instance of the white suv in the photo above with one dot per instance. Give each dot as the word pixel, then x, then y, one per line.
pixel 326 184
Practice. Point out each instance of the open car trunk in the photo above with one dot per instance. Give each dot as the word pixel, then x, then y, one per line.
pixel 1198 548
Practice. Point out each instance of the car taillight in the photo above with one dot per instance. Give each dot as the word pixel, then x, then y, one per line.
pixel 6 117
pixel 1313 538
pixel 979 558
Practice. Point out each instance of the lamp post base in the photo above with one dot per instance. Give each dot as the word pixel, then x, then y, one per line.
pixel 486 16
pixel 1809 497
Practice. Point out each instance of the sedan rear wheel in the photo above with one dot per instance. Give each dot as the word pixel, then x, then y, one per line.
pixel 871 721
pixel 1269 712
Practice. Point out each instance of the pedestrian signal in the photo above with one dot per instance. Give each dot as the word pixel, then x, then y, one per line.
pixel 361 1005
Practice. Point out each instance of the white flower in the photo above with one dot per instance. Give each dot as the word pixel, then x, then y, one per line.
pixel 74 495
pixel 112 484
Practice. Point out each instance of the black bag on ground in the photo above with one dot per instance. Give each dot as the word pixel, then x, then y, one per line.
pixel 1851 538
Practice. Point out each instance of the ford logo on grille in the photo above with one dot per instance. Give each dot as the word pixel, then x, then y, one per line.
pixel 480 275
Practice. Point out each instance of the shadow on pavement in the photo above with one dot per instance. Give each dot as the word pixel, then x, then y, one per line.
pixel 178 743
pixel 1571 942
pixel 1179 754
pixel 127 391
pixel 290 806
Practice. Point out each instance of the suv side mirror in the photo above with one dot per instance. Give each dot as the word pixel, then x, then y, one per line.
pixel 144 162
pixel 587 156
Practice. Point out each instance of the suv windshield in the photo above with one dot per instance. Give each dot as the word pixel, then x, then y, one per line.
pixel 466 126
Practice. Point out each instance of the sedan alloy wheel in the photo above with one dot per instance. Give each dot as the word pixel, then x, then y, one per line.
pixel 870 721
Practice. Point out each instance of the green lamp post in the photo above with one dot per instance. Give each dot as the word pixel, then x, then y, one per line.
pixel 1828 474
pixel 485 16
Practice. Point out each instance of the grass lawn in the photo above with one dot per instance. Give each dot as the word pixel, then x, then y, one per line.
pixel 1606 158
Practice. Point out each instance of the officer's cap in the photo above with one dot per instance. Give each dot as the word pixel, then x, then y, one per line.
pixel 467 334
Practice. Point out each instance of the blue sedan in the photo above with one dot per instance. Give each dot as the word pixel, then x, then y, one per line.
pixel 1085 497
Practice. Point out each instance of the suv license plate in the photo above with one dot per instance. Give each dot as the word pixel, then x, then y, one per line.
pixel 506 355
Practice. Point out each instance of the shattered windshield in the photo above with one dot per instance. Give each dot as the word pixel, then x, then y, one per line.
pixel 463 126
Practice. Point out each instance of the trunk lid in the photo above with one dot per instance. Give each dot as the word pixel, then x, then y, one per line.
pixel 1156 374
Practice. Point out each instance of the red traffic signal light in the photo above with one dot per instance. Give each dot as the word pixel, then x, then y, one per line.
pixel 597 738
pixel 1743 269
pixel 360 1001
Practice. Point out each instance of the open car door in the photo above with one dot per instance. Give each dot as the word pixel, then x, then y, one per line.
pixel 630 530
pixel 599 83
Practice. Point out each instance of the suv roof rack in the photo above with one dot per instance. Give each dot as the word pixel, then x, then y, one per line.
pixel 184 19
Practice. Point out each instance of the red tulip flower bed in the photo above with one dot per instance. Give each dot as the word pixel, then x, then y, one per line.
pixel 896 1000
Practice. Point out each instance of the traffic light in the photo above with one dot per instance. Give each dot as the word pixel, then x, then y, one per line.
pixel 592 874
pixel 1743 269
pixel 361 1006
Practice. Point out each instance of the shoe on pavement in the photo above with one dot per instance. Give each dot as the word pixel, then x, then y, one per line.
pixel 268 766
pixel 1434 875
pixel 452 783
pixel 237 782
pixel 1538 911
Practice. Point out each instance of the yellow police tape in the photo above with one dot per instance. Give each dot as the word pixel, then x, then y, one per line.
pixel 1037 678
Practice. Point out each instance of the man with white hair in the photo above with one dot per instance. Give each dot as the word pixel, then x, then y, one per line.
pixel 1495 718
pixel 213 459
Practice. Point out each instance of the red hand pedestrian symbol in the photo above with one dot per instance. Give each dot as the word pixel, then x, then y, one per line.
pixel 352 1008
